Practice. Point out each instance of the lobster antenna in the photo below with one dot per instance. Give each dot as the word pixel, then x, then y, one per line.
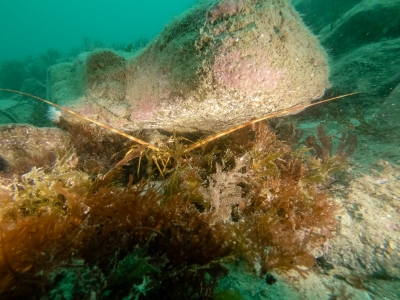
pixel 139 141
pixel 195 145
pixel 275 114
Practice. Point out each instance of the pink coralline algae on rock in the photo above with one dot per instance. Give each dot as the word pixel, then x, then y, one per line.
pixel 234 71
pixel 144 112
pixel 225 8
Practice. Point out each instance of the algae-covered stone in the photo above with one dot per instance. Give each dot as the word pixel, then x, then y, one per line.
pixel 23 147
pixel 220 64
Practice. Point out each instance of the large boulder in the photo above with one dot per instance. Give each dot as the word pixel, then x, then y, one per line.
pixel 220 64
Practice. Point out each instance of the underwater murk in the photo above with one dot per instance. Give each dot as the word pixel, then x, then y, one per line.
pixel 294 200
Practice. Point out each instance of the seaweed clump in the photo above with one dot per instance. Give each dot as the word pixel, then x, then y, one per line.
pixel 239 197
pixel 323 163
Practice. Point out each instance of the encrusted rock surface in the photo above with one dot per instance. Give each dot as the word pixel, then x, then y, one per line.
pixel 367 246
pixel 23 147
pixel 220 64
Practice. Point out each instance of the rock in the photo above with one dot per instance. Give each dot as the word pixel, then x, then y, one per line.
pixel 65 81
pixel 23 147
pixel 355 29
pixel 317 14
pixel 389 112
pixel 220 64
pixel 368 243
pixel 372 68
pixel 363 53
pixel 20 109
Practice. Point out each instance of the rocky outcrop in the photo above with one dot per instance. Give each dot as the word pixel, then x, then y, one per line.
pixel 220 64
pixel 367 246
pixel 362 38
